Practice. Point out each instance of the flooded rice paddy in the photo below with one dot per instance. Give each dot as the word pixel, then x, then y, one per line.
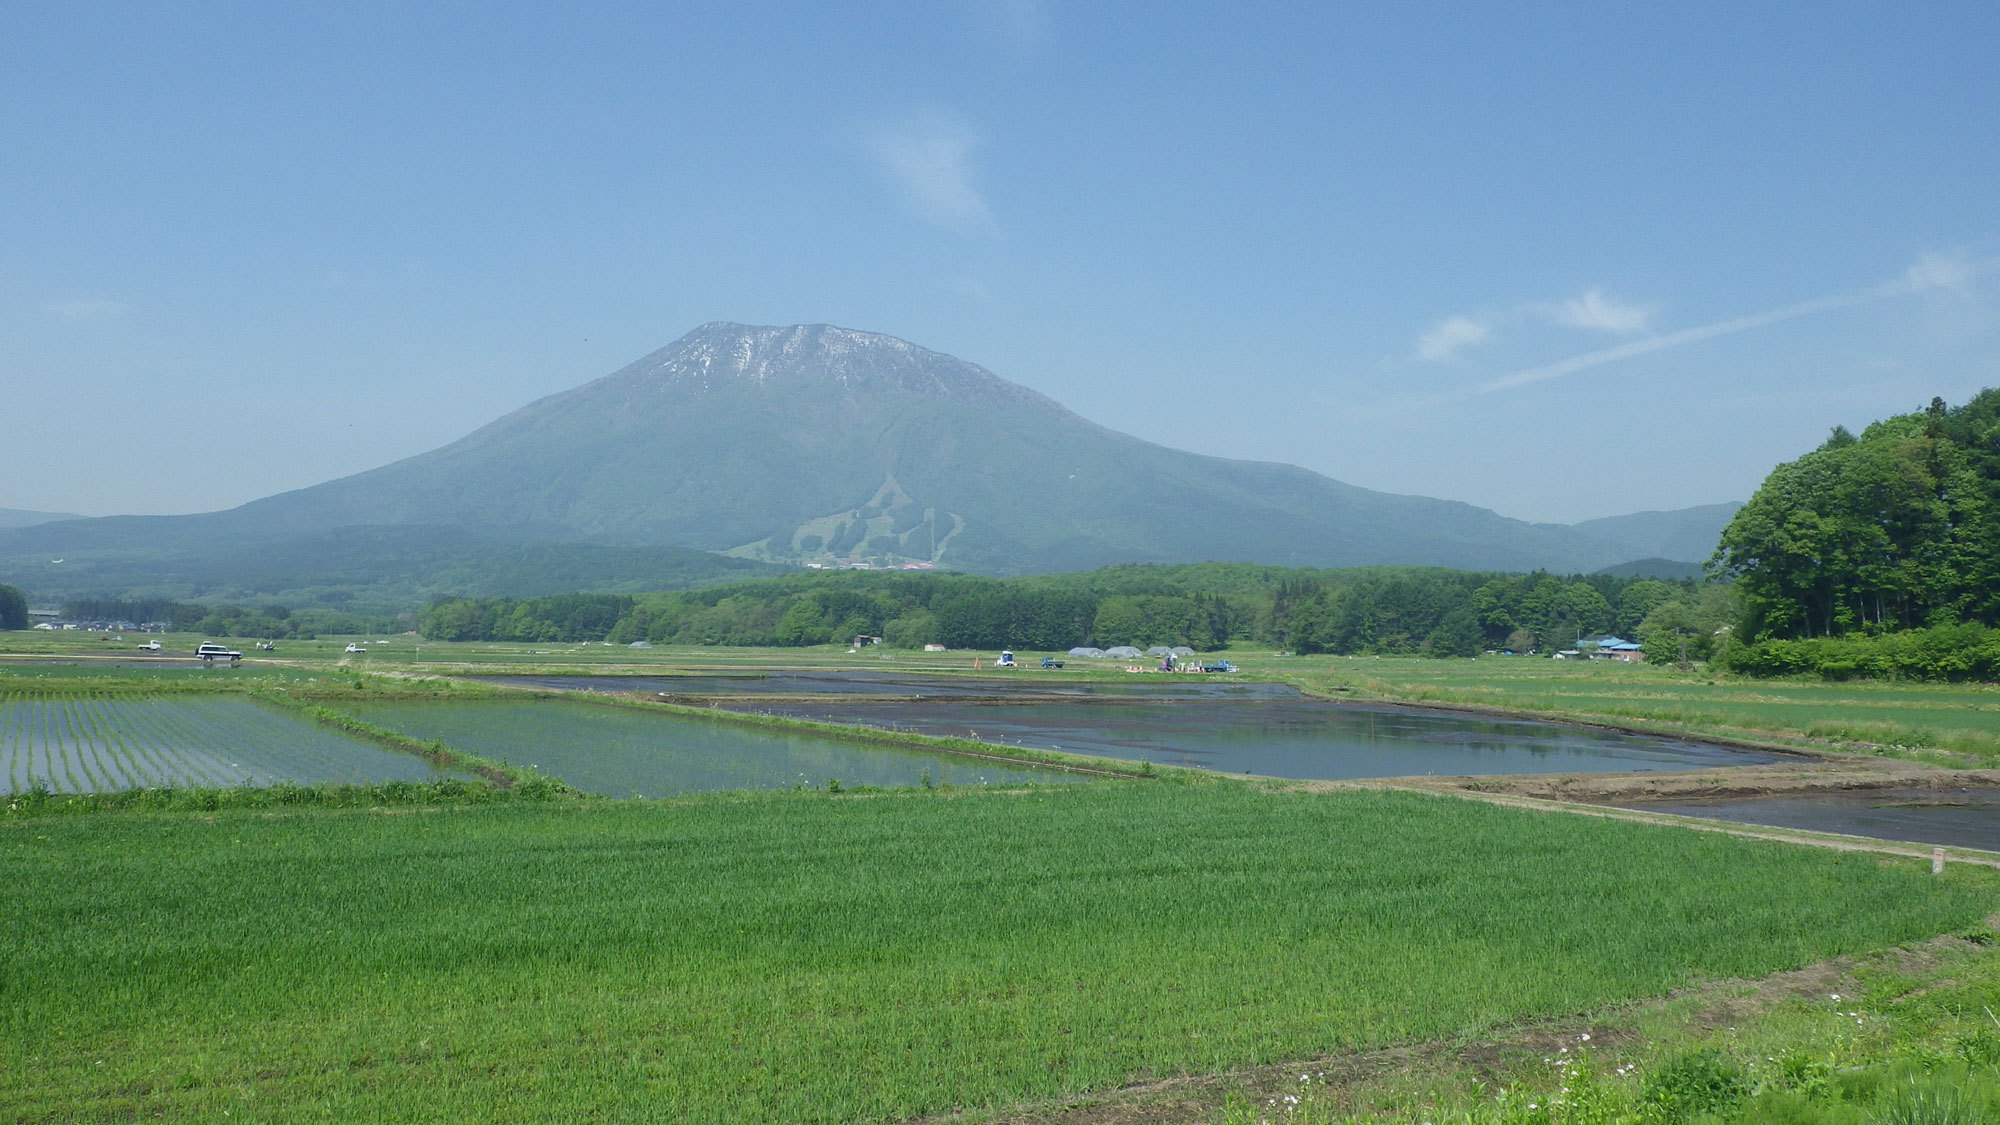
pixel 1968 818
pixel 1304 739
pixel 1214 723
pixel 627 753
pixel 71 745
pixel 1023 682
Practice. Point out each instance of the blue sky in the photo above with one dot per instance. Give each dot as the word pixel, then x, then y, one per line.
pixel 1560 261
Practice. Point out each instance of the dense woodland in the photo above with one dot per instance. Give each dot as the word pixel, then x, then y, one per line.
pixel 1388 610
pixel 1878 554
pixel 268 622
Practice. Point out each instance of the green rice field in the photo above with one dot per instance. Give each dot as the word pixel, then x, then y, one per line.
pixel 80 743
pixel 621 752
pixel 810 957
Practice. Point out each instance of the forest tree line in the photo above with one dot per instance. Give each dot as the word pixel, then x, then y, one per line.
pixel 1877 554
pixel 1385 610
pixel 265 622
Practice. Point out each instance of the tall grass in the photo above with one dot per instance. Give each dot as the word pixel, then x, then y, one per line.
pixel 807 957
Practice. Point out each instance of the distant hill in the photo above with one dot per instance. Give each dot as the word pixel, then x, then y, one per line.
pixel 820 444
pixel 1668 570
pixel 16 517
pixel 1684 535
pixel 376 569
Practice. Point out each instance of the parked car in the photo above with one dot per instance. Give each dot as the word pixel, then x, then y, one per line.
pixel 210 653
pixel 1051 662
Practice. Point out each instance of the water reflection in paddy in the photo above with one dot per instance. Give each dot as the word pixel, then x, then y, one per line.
pixel 1211 722
pixel 1023 682
pixel 624 753
pixel 1296 739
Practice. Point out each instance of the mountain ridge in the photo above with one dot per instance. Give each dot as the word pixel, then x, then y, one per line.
pixel 21 517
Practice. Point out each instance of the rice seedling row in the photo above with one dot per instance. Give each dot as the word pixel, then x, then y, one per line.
pixel 101 769
pixel 160 729
pixel 136 759
pixel 806 957
pixel 94 744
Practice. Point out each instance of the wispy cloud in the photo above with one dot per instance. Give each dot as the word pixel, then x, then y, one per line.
pixel 84 309
pixel 1596 311
pixel 1592 311
pixel 927 156
pixel 1929 273
pixel 1020 22
pixel 1450 336
pixel 1936 271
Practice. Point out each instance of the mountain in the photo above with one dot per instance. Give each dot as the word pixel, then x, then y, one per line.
pixel 816 443
pixel 15 517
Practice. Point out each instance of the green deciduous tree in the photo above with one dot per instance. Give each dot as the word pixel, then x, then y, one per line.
pixel 803 623
pixel 1458 634
pixel 13 608
pixel 1894 529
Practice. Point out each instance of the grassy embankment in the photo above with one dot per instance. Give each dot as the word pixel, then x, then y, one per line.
pixel 806 957
pixel 1902 1035
pixel 1941 724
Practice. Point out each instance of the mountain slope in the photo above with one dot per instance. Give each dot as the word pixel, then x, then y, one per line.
pixel 16 517
pixel 1684 535
pixel 368 569
pixel 819 442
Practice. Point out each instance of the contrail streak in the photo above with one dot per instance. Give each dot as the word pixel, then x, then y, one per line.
pixel 1931 273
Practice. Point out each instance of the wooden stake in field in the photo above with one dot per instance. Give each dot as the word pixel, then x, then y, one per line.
pixel 1937 861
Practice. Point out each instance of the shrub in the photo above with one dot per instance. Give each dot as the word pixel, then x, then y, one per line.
pixel 1692 1084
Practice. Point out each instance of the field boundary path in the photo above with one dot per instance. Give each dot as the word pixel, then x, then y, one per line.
pixel 1832 840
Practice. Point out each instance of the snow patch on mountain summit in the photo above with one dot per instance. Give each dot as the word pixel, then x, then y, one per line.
pixel 721 353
